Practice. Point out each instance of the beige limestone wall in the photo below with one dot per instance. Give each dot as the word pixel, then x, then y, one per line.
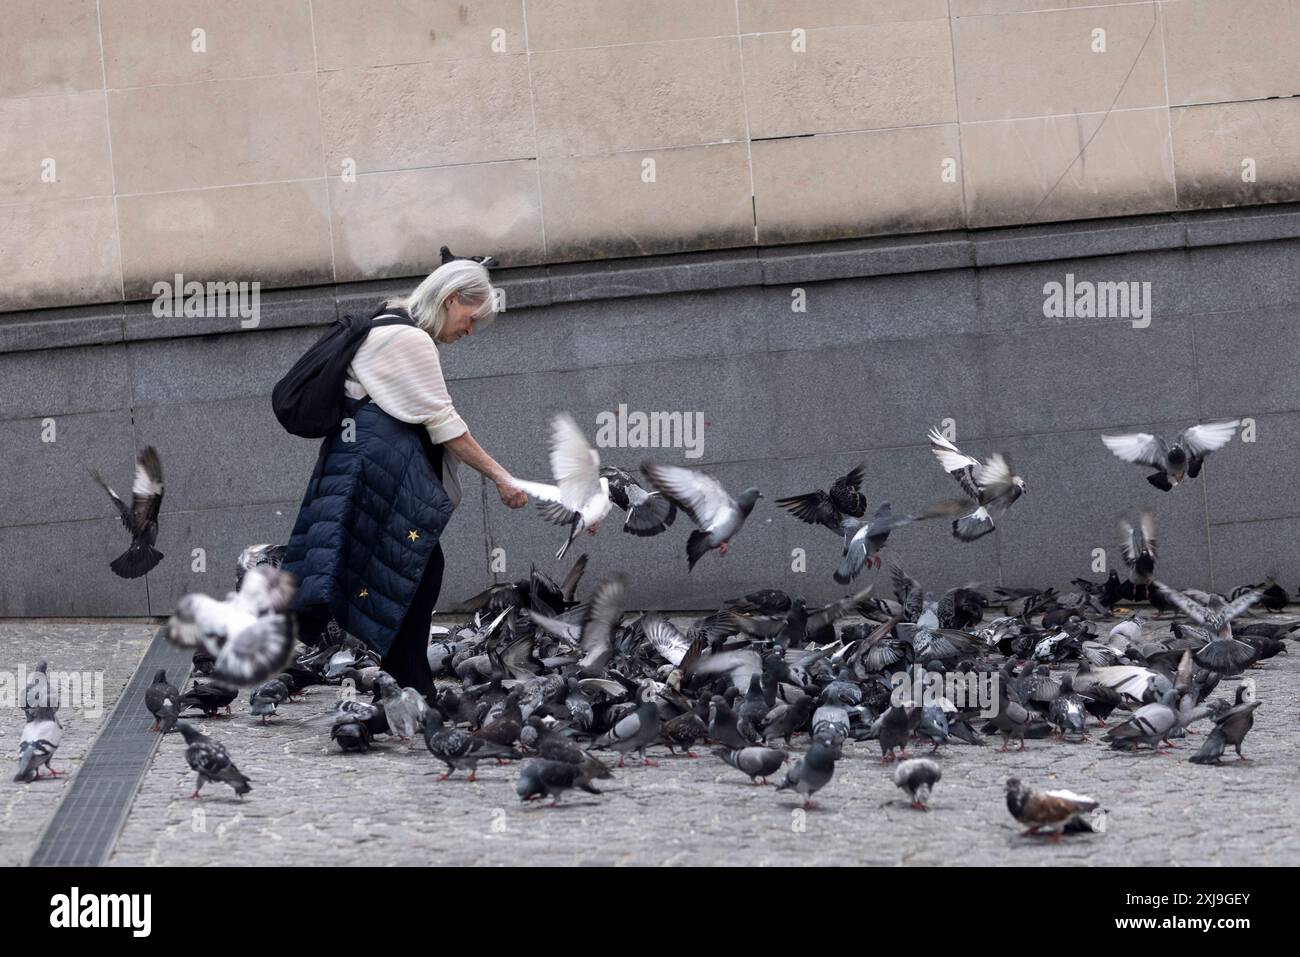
pixel 306 141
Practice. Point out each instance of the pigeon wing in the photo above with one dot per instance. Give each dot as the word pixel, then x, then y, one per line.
pixel 667 641
pixel 956 463
pixel 1200 439
pixel 700 496
pixel 1140 448
pixel 574 463
pixel 147 489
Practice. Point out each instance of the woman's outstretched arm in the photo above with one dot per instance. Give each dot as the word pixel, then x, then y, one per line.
pixel 467 450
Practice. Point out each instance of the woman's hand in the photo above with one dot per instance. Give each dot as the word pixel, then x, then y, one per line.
pixel 511 495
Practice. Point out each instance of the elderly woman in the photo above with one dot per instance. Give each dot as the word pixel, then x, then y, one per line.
pixel 365 544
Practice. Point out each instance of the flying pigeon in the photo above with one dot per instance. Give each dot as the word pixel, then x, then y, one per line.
pixel 709 505
pixel 141 518
pixel 251 633
pixel 595 635
pixel 864 540
pixel 1172 462
pixel 1230 728
pixel 1223 653
pixel 758 763
pixel 580 497
pixel 40 739
pixel 917 778
pixel 1050 811
pixel 992 486
pixel 648 512
pixel 542 777
pixel 255 555
pixel 845 499
pixel 210 759
pixel 163 701
pixel 810 773
pixel 1138 545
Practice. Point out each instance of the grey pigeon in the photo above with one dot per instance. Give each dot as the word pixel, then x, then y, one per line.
pixel 251 633
pixel 265 699
pixel 894 728
pixel 349 732
pixel 1149 725
pixel 594 636
pixel 1066 712
pixel 405 709
pixel 41 737
pixel 992 486
pixel 540 777
pixel 163 701
pixel 635 731
pixel 1172 461
pixel 917 777
pixel 648 512
pixel 810 773
pixel 459 749
pixel 758 763
pixel 864 540
pixel 1138 546
pixel 141 517
pixel 1230 729
pixel 39 693
pixel 210 759
pixel 844 500
pixel 1223 653
pixel 708 504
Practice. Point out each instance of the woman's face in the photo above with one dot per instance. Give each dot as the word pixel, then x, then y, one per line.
pixel 460 319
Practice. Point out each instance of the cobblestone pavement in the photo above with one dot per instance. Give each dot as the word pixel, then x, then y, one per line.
pixel 311 804
pixel 110 649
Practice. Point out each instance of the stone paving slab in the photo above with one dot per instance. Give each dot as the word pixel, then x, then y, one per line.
pixel 313 805
pixel 110 649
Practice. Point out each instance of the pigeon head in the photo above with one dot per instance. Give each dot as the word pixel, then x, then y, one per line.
pixel 189 732
pixel 748 498
pixel 1177 458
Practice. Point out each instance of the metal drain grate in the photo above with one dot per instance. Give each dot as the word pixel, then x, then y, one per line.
pixel 88 821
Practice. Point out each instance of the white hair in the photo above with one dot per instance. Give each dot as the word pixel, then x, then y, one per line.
pixel 427 303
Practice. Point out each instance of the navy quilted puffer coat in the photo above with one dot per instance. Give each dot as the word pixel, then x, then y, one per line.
pixel 373 512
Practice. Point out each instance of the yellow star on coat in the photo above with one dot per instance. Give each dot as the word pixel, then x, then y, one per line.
pixel 365 593
pixel 412 534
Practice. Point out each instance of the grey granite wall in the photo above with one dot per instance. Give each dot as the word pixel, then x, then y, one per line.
pixel 898 334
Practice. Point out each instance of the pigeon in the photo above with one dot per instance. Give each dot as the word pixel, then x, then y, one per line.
pixel 648 512
pixel 141 518
pixel 758 763
pixel 266 698
pixel 1176 461
pixel 917 778
pixel 459 749
pixel 39 693
pixel 251 633
pixel 541 777
pixel 635 731
pixel 445 256
pixel 405 709
pixel 687 728
pixel 580 496
pixel 41 737
pixel 894 728
pixel 595 635
pixel 729 729
pixel 210 759
pixel 1230 728
pixel 209 697
pixel 163 701
pixel 254 555
pixel 1223 653
pixel 350 732
pixel 810 773
pixel 1138 546
pixel 708 504
pixel 844 500
pixel 864 540
pixel 1068 712
pixel 1050 811
pixel 1149 725
pixel 992 486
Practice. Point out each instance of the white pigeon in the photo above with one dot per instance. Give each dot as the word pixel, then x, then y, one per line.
pixel 580 496
pixel 992 485
pixel 40 739
pixel 250 634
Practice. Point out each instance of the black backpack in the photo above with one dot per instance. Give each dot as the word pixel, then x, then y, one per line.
pixel 309 399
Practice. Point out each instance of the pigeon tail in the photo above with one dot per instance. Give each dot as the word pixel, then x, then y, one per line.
pixel 140 558
pixel 697 546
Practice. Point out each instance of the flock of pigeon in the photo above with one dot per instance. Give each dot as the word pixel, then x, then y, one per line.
pixel 537 674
